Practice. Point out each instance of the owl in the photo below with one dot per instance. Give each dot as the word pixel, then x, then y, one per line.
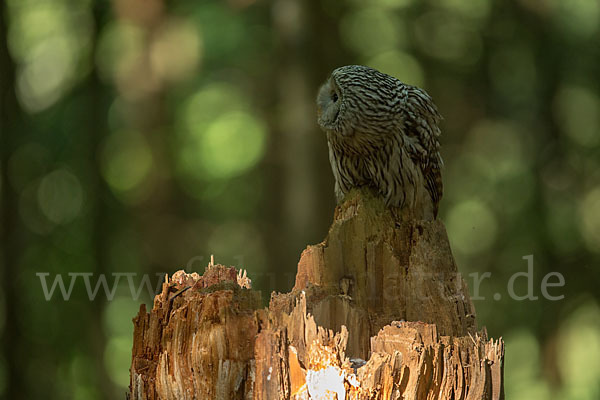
pixel 384 134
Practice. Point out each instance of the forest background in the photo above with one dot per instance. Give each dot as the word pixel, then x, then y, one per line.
pixel 138 137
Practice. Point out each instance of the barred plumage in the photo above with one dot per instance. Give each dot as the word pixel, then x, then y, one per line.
pixel 384 134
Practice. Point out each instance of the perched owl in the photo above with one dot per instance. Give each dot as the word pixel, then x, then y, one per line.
pixel 384 134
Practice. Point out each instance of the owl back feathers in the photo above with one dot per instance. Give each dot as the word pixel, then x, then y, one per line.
pixel 384 134
pixel 421 127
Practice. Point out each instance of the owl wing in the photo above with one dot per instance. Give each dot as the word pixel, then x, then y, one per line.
pixel 421 119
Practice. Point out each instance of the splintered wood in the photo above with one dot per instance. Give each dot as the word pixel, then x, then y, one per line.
pixel 198 340
pixel 409 360
pixel 378 311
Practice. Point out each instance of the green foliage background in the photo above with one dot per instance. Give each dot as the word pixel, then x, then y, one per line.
pixel 142 136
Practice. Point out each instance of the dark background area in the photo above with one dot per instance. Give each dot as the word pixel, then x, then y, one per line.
pixel 138 137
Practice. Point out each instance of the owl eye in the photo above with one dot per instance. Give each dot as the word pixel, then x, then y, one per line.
pixel 335 97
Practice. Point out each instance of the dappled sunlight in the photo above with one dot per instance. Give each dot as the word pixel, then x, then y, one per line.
pixel 472 227
pixel 119 308
pixel 209 102
pixel 468 176
pixel 118 350
pixel 401 65
pixel 126 162
pixel 176 50
pixel 371 30
pixel 60 196
pixel 140 12
pixel 448 38
pixel 522 367
pixel 50 43
pixel 388 4
pixel 476 9
pixel 46 73
pixel 120 44
pixel 503 144
pixel 232 144
pixel 174 54
pixel 117 357
pixel 493 165
pixel 577 115
pixel 122 60
pixel 218 138
pixel 578 349
pixel 577 17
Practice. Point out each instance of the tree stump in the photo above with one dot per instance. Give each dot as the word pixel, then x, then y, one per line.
pixel 378 311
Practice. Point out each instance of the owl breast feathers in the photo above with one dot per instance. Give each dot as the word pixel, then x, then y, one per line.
pixel 384 134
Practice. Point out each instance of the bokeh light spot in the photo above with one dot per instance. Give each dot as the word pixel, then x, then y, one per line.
pixel 217 135
pixel 578 114
pixel 472 227
pixel 117 311
pixel 46 73
pixel 122 60
pixel 467 176
pixel 372 30
pixel 117 359
pixel 589 219
pixel 126 160
pixel 176 50
pixel 232 144
pixel 471 8
pixel 523 380
pixel 578 17
pixel 48 41
pixel 399 65
pixel 501 144
pixel 60 196
pixel 448 38
pixel 210 102
pixel 219 139
pixel 390 4
pixel 31 25
pixel 578 348
pixel 493 166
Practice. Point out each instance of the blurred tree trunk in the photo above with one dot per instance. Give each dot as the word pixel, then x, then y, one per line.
pixel 96 122
pixel 378 311
pixel 10 118
pixel 306 49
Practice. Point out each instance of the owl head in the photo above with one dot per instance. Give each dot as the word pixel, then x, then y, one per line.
pixel 357 99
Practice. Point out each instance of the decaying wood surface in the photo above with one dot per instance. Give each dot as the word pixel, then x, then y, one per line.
pixel 378 311
pixel 373 269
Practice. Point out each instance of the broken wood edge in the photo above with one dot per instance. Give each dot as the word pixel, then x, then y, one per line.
pixel 408 359
pixel 287 355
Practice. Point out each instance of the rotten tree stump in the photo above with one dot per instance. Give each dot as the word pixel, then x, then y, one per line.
pixel 378 311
